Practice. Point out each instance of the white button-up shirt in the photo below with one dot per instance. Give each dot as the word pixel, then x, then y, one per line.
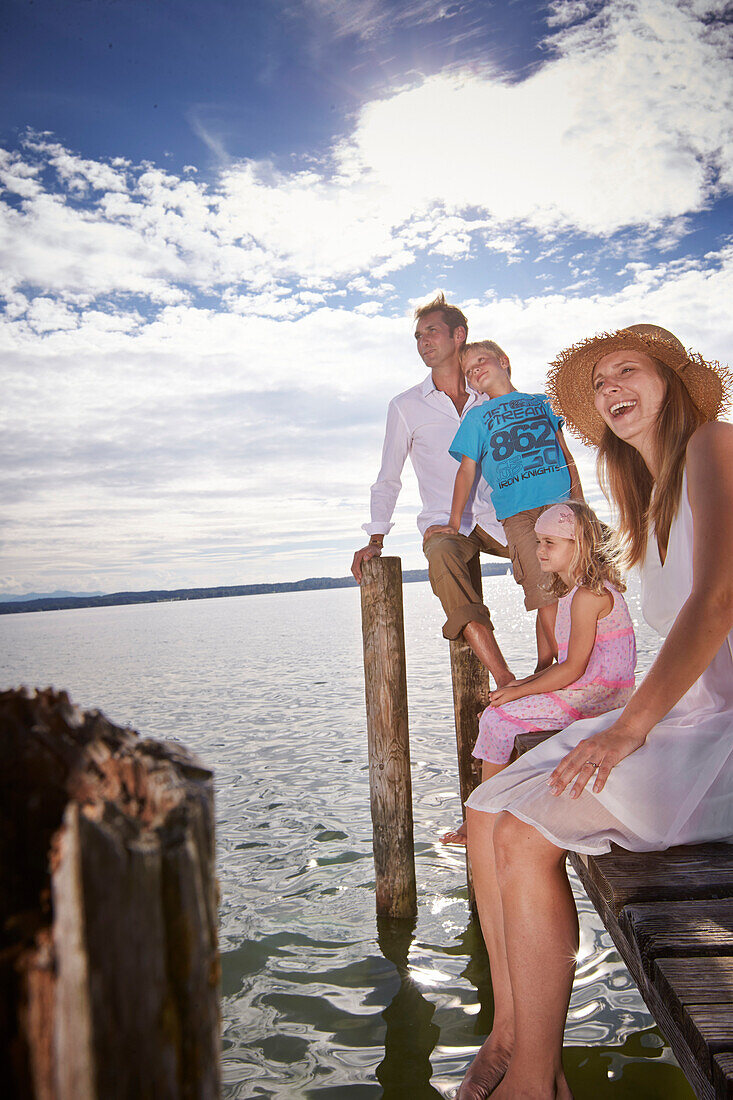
pixel 421 423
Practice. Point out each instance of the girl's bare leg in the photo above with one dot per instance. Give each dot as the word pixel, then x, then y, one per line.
pixel 458 836
pixel 541 925
pixel 490 1064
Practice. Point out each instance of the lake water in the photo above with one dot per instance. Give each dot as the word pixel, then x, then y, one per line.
pixel 319 999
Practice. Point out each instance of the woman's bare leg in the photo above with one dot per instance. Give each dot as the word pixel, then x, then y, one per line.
pixel 541 924
pixel 490 1064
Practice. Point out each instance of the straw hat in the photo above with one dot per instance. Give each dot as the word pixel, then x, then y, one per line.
pixel 569 383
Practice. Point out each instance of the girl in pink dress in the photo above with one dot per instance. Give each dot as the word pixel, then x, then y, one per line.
pixel 596 648
pixel 594 642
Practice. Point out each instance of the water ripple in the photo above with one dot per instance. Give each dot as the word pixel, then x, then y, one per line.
pixel 320 999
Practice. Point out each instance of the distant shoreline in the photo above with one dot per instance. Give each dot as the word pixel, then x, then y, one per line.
pixel 61 603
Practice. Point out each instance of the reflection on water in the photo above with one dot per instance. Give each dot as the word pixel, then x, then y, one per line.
pixel 319 998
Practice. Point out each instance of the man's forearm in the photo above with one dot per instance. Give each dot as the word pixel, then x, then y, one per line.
pixel 386 488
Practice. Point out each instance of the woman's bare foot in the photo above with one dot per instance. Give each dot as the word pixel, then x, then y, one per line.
pixel 455 836
pixel 558 1089
pixel 486 1070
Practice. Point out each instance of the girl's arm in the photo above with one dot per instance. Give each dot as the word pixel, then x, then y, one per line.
pixel 549 620
pixel 576 489
pixel 461 490
pixel 701 626
pixel 584 613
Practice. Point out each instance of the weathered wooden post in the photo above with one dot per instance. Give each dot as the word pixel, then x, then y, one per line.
pixel 109 965
pixel 471 688
pixel 390 782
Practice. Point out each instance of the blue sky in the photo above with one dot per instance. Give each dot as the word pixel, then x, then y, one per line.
pixel 216 220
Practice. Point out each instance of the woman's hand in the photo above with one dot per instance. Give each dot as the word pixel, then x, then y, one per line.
pixel 596 754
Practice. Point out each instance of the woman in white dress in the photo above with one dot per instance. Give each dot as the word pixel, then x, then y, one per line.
pixel 655 773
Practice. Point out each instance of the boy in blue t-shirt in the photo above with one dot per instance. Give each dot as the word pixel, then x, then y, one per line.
pixel 516 440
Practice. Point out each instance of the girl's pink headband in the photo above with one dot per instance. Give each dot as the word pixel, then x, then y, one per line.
pixel 558 520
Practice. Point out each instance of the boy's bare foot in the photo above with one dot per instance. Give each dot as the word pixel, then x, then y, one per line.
pixel 486 1070
pixel 455 836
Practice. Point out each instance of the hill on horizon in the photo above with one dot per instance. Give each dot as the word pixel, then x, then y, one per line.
pixel 10 605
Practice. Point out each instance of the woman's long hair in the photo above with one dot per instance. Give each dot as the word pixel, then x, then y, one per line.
pixel 627 482
pixel 596 561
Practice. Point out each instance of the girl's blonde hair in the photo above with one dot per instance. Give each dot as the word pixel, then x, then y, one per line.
pixel 596 561
pixel 625 477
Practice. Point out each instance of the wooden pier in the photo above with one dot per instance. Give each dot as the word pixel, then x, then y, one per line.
pixel 670 915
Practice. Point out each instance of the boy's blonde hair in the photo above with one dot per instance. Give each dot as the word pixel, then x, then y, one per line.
pixel 596 561
pixel 485 345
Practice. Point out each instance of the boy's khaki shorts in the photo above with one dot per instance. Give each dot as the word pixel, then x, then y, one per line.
pixel 455 576
pixel 522 542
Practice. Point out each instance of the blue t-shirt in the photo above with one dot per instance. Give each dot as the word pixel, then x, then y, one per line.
pixel 513 438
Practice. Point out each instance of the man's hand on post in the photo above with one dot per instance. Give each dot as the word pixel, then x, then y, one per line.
pixel 372 550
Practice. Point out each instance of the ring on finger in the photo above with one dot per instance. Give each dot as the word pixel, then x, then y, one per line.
pixel 593 764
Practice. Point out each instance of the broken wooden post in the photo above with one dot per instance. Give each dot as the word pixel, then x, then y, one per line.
pixel 109 966
pixel 390 783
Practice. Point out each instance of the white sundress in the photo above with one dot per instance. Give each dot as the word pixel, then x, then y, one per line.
pixel 678 787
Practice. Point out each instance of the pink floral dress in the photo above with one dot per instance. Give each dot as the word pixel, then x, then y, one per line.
pixel 606 684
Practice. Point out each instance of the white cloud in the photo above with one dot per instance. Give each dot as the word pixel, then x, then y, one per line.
pixel 625 125
pixel 368 19
pixel 186 402
pixel 204 447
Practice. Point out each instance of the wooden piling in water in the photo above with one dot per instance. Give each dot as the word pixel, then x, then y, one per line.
pixel 471 688
pixel 390 783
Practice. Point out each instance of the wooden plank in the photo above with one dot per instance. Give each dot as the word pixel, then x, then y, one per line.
pixel 684 928
pixel 523 742
pixel 723 1075
pixel 699 995
pixel 678 874
pixel 700 981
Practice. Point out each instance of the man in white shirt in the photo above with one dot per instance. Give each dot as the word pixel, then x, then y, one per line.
pixel 421 423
